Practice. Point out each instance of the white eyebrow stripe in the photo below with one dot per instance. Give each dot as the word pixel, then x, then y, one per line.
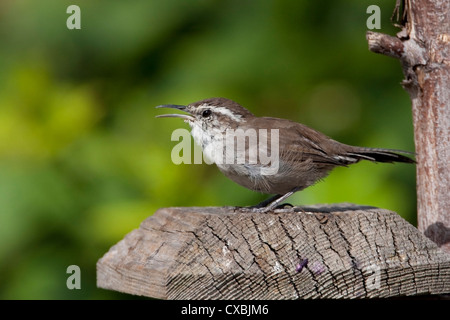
pixel 224 111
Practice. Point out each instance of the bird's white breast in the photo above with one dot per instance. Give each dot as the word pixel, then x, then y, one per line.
pixel 211 143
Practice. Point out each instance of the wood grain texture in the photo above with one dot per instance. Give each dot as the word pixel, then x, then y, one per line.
pixel 340 251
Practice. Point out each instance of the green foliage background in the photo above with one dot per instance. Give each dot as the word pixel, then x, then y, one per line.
pixel 83 160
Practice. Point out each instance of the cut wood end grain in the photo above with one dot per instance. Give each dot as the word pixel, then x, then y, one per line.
pixel 330 251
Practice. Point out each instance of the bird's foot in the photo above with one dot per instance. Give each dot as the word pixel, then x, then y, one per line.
pixel 253 209
pixel 285 207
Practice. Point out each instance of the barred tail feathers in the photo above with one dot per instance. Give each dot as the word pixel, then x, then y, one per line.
pixel 380 155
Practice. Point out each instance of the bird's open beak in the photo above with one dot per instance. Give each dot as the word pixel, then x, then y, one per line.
pixel 174 115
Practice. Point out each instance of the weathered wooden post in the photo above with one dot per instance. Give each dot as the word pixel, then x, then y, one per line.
pixel 423 48
pixel 332 251
pixel 340 251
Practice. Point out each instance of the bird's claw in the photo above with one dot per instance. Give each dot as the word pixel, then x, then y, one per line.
pixel 285 207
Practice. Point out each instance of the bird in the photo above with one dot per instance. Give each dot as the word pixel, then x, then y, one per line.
pixel 299 157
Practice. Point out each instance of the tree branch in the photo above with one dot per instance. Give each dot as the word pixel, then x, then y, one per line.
pixel 385 44
pixel 423 49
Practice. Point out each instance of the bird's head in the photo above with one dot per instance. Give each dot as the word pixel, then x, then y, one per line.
pixel 211 114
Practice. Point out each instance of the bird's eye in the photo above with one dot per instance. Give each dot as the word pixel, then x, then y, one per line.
pixel 206 113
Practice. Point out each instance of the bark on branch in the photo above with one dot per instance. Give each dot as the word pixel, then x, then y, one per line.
pixel 385 44
pixel 423 48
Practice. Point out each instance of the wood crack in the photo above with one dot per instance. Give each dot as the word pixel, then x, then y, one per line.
pixel 250 256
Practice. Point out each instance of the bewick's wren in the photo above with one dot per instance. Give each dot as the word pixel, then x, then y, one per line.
pixel 299 155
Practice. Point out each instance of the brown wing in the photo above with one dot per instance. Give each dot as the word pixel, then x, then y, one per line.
pixel 303 143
